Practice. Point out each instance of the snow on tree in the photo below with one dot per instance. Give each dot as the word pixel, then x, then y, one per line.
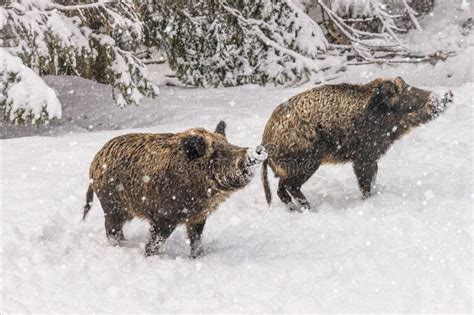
pixel 24 96
pixel 94 40
pixel 219 42
pixel 371 29
pixel 207 42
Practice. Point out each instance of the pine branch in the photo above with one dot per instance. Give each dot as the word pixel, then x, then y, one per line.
pixel 310 63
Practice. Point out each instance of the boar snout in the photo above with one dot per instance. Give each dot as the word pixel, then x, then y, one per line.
pixel 447 97
pixel 440 102
pixel 255 156
pixel 260 153
pixel 231 175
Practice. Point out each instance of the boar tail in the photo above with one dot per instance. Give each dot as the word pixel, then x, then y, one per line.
pixel 89 198
pixel 266 186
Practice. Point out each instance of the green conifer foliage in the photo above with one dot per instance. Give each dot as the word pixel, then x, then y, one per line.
pixel 226 43
pixel 93 40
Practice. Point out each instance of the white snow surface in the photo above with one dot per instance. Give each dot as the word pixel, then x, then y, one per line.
pixel 406 249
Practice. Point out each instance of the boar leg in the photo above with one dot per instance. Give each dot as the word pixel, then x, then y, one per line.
pixel 113 227
pixel 115 218
pixel 160 231
pixel 365 172
pixel 285 197
pixel 293 186
pixel 194 234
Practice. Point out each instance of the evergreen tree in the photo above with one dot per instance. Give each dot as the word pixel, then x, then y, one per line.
pixel 219 42
pixel 24 96
pixel 92 40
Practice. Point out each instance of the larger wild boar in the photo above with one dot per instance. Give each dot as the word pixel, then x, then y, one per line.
pixel 168 179
pixel 338 124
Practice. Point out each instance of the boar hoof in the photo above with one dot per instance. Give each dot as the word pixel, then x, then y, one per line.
pixel 196 248
pixel 366 195
pixel 293 207
pixel 151 250
pixel 448 97
pixel 113 241
pixel 149 253
pixel 305 208
pixel 303 204
pixel 197 253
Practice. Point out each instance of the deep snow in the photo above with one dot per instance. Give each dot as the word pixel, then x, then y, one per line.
pixel 409 248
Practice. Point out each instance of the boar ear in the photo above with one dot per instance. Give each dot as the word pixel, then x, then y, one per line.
pixel 221 128
pixel 399 81
pixel 385 96
pixel 194 146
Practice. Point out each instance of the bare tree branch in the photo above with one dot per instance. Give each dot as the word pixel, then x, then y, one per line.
pixel 412 14
pixel 93 5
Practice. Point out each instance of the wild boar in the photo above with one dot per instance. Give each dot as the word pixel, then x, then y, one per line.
pixel 168 179
pixel 338 124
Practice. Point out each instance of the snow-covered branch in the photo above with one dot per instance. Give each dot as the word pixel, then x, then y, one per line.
pixel 345 18
pixel 236 42
pixel 92 40
pixel 24 96
pixel 92 5
pixel 412 14
pixel 254 26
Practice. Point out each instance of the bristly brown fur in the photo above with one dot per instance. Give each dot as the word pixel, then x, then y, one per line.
pixel 337 124
pixel 145 169
pixel 166 179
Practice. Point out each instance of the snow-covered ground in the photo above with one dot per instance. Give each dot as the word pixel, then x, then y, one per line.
pixel 409 248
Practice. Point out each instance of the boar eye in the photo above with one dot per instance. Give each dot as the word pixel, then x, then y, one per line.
pixel 383 96
pixel 194 146
pixel 398 89
pixel 216 155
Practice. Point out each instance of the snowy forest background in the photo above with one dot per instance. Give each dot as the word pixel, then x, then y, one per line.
pixel 75 74
pixel 206 43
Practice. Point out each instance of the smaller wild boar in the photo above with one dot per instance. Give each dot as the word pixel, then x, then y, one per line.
pixel 168 179
pixel 338 124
